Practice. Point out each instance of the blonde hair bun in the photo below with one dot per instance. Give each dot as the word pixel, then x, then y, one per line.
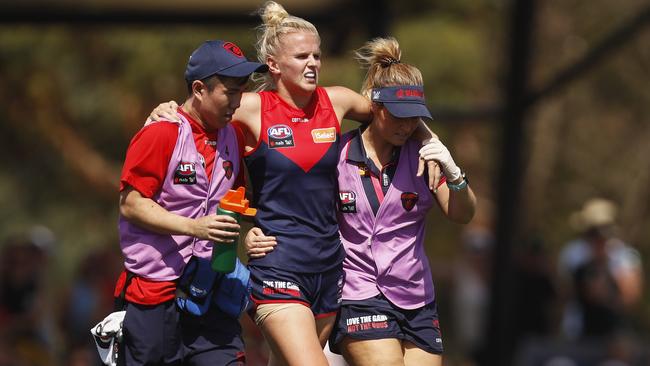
pixel 273 14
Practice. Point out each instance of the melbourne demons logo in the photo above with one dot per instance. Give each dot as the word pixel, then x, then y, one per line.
pixel 185 173
pixel 280 136
pixel 233 48
pixel 347 202
pixel 409 199
pixel 227 168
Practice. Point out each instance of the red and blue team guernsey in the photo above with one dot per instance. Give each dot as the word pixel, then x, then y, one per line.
pixel 293 174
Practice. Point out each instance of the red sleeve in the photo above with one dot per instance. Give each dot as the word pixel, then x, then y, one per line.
pixel 442 181
pixel 240 181
pixel 147 158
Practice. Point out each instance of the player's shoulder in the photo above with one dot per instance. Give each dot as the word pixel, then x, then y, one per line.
pixel 162 126
pixel 337 91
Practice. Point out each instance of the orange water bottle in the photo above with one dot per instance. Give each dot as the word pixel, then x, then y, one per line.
pixel 233 204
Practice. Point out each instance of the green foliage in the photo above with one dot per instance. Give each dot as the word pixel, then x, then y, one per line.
pixel 449 55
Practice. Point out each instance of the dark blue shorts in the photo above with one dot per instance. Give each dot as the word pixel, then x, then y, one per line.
pixel 321 292
pixel 378 318
pixel 160 334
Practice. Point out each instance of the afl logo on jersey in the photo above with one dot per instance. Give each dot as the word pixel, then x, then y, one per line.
pixel 185 173
pixel 280 136
pixel 409 199
pixel 233 48
pixel 347 202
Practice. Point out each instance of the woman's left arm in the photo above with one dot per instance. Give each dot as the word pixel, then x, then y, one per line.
pixel 456 198
pixel 458 205
pixel 349 104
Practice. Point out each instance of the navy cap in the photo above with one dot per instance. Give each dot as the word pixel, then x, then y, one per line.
pixel 221 58
pixel 404 101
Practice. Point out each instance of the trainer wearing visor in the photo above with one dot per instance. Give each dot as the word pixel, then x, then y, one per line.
pixel 173 177
pixel 388 314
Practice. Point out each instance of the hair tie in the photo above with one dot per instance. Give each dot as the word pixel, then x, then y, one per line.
pixel 392 61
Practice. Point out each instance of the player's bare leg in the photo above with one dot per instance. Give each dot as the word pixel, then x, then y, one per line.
pixel 414 356
pixel 376 352
pixel 293 337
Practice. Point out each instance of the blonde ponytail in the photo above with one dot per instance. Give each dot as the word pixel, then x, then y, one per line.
pixel 382 57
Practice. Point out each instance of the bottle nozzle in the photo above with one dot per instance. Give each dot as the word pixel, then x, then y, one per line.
pixel 235 201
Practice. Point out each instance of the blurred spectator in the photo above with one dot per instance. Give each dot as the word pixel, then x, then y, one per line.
pixel 535 290
pixel 27 327
pixel 604 273
pixel 617 351
pixel 470 294
pixel 87 301
pixel 82 356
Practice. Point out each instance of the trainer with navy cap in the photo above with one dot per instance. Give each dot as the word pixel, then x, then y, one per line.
pixel 173 177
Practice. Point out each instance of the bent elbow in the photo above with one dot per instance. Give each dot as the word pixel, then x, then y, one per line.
pixel 126 211
pixel 126 206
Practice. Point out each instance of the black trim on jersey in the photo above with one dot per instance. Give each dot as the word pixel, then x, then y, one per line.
pixel 357 154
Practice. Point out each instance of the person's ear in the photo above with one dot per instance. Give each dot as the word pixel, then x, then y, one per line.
pixel 274 68
pixel 376 108
pixel 198 88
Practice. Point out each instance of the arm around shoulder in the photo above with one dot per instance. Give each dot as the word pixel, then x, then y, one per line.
pixel 249 112
pixel 349 104
pixel 423 133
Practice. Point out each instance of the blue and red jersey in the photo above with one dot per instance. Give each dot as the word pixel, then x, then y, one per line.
pixel 293 175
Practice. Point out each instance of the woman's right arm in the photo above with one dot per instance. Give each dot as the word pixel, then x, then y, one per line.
pixel 257 245
pixel 163 112
pixel 248 115
pixel 249 118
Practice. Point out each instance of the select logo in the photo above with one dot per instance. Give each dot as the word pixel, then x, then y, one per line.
pixel 323 135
